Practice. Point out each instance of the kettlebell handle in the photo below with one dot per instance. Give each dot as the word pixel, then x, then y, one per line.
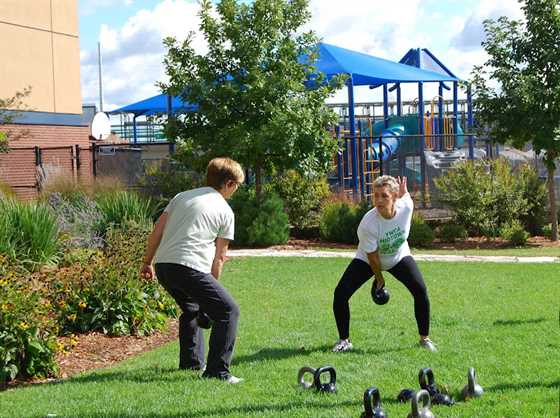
pixel 425 396
pixel 320 371
pixel 372 400
pixel 471 376
pixel 424 374
pixel 301 374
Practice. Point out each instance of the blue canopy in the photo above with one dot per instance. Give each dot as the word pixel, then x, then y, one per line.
pixel 156 105
pixel 369 70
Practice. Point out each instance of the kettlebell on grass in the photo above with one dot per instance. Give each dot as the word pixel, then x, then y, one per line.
pixel 330 386
pixel 301 376
pixel 472 389
pixel 372 404
pixel 424 411
pixel 427 382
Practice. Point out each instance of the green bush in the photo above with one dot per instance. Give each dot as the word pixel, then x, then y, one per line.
pixel 339 220
pixel 483 195
pixel 534 192
pixel 119 207
pixel 162 181
pixel 102 291
pixel 260 224
pixel 451 232
pixel 547 231
pixel 514 233
pixel 302 197
pixel 27 330
pixel 28 233
pixel 421 235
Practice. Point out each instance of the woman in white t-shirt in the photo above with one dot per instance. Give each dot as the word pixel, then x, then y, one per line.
pixel 383 246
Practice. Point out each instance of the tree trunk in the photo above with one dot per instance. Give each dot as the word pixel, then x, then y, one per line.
pixel 258 181
pixel 552 202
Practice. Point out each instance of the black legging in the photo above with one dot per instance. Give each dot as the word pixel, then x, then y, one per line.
pixel 358 272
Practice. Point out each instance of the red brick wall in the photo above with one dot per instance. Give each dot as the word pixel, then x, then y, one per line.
pixel 18 169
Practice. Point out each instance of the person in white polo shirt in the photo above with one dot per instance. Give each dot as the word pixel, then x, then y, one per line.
pixel 383 246
pixel 189 245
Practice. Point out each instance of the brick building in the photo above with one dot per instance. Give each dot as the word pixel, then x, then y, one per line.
pixel 40 49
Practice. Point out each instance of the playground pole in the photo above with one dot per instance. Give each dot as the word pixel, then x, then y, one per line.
pixel 440 116
pixel 350 84
pixel 455 110
pixel 470 122
pixel 399 100
pixel 385 106
pixel 134 134
pixel 422 142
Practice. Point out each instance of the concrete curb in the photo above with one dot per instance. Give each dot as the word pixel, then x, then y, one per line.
pixel 420 257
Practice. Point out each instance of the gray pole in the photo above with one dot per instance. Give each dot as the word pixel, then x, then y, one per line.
pixel 100 78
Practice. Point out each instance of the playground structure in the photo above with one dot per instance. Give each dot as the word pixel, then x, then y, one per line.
pixel 416 139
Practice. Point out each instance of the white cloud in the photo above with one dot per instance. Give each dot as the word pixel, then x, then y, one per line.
pixel 133 53
pixel 471 34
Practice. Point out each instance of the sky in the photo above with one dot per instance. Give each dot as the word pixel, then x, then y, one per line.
pixel 131 31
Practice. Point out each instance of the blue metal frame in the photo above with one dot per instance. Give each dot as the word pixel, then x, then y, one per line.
pixel 350 84
pixel 470 122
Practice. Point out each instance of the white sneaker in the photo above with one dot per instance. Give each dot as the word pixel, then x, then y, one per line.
pixel 428 345
pixel 342 345
pixel 232 380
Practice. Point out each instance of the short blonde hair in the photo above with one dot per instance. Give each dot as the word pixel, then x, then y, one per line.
pixel 221 170
pixel 388 181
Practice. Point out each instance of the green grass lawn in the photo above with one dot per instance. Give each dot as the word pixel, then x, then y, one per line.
pixel 500 319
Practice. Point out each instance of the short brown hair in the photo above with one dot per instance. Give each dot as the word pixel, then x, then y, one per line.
pixel 220 170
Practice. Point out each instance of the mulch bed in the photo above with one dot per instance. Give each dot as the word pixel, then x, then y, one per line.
pixel 96 350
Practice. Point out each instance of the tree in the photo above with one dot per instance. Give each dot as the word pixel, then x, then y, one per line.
pixel 524 60
pixel 8 113
pixel 255 101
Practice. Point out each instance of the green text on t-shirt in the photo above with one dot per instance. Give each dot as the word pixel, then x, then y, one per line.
pixel 391 241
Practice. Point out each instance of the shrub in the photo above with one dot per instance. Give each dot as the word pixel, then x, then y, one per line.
pixel 339 220
pixel 547 231
pixel 27 331
pixel 302 197
pixel 421 235
pixel 103 291
pixel 452 232
pixel 6 191
pixel 514 233
pixel 78 217
pixel 162 181
pixel 260 224
pixel 534 192
pixel 483 195
pixel 119 207
pixel 28 232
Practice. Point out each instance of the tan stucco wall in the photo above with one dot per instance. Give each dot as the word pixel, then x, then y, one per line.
pixel 40 48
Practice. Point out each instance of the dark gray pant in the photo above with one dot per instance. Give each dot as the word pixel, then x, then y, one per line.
pixel 358 272
pixel 194 290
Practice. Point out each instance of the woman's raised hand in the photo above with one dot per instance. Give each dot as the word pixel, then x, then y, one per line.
pixel 402 186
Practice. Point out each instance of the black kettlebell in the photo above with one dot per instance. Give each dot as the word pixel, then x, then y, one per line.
pixel 379 296
pixel 405 395
pixel 203 320
pixel 427 382
pixel 330 386
pixel 372 404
